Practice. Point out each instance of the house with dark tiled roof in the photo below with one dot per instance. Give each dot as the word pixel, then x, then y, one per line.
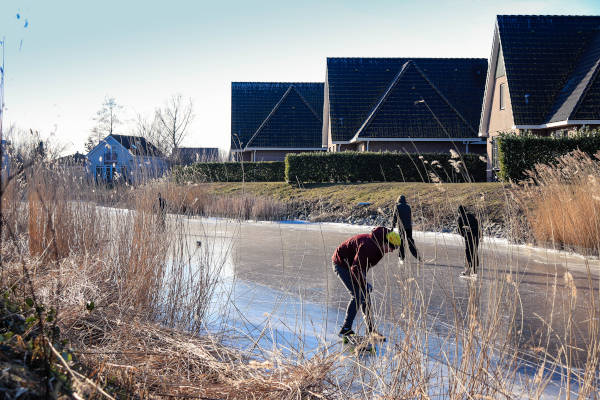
pixel 122 158
pixel 543 77
pixel 271 119
pixel 417 105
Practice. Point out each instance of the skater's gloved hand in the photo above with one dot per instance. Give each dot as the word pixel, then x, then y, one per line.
pixel 369 288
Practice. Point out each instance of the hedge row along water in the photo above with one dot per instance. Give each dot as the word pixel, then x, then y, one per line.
pixel 381 167
pixel 264 171
pixel 519 153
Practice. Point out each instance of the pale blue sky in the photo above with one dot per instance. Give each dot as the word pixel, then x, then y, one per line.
pixel 74 53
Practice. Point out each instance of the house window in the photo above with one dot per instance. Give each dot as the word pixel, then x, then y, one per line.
pixel 110 156
pixel 495 161
pixel 502 96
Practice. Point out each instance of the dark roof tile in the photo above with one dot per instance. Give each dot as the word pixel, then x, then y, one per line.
pixel 253 114
pixel 137 145
pixel 453 88
pixel 547 59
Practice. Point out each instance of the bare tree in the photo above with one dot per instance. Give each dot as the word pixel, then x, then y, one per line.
pixel 107 118
pixel 174 119
pixel 150 130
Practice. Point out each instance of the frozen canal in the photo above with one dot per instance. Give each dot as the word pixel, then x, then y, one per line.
pixel 280 293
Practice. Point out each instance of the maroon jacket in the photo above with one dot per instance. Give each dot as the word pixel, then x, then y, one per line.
pixel 360 253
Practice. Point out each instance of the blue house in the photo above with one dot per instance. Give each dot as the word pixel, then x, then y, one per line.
pixel 120 158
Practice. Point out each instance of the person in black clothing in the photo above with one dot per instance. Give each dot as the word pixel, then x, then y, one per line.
pixel 468 227
pixel 162 212
pixel 402 217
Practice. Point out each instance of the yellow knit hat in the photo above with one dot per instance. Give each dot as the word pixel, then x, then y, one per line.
pixel 394 239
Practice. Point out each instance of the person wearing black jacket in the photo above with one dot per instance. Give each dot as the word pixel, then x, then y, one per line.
pixel 402 217
pixel 162 213
pixel 468 227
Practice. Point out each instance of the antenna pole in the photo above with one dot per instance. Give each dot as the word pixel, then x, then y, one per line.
pixel 2 145
pixel 3 43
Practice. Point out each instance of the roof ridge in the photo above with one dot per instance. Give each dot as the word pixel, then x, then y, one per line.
pixel 393 84
pixel 276 83
pixel 407 58
pixel 547 15
pixel 130 136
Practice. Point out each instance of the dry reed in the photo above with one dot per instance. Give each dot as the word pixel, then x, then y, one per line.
pixel 562 202
pixel 146 336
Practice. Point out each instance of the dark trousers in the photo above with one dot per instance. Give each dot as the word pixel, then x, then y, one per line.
pixel 357 297
pixel 472 254
pixel 407 239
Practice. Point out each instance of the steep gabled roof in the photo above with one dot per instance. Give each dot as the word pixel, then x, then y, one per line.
pixel 374 97
pixel 137 145
pixel 291 114
pixel 413 106
pixel 276 114
pixel 551 65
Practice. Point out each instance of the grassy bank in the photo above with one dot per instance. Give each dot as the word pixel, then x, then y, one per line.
pixel 434 205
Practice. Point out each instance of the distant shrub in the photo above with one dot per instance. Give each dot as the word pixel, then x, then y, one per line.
pixel 350 166
pixel 520 153
pixel 263 171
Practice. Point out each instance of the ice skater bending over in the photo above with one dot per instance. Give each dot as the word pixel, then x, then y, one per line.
pixel 351 261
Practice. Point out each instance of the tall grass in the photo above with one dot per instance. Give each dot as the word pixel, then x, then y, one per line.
pixel 562 202
pixel 152 286
pixel 196 200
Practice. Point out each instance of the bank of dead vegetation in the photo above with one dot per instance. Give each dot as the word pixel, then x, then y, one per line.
pixel 101 302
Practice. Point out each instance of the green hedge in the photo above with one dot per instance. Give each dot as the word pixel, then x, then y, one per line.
pixel 264 171
pixel 350 166
pixel 519 153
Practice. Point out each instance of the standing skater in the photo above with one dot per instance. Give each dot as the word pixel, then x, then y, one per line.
pixel 351 261
pixel 162 212
pixel 402 217
pixel 468 227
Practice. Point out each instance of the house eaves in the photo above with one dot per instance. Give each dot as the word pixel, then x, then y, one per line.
pixel 407 139
pixel 558 124
pixel 284 149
